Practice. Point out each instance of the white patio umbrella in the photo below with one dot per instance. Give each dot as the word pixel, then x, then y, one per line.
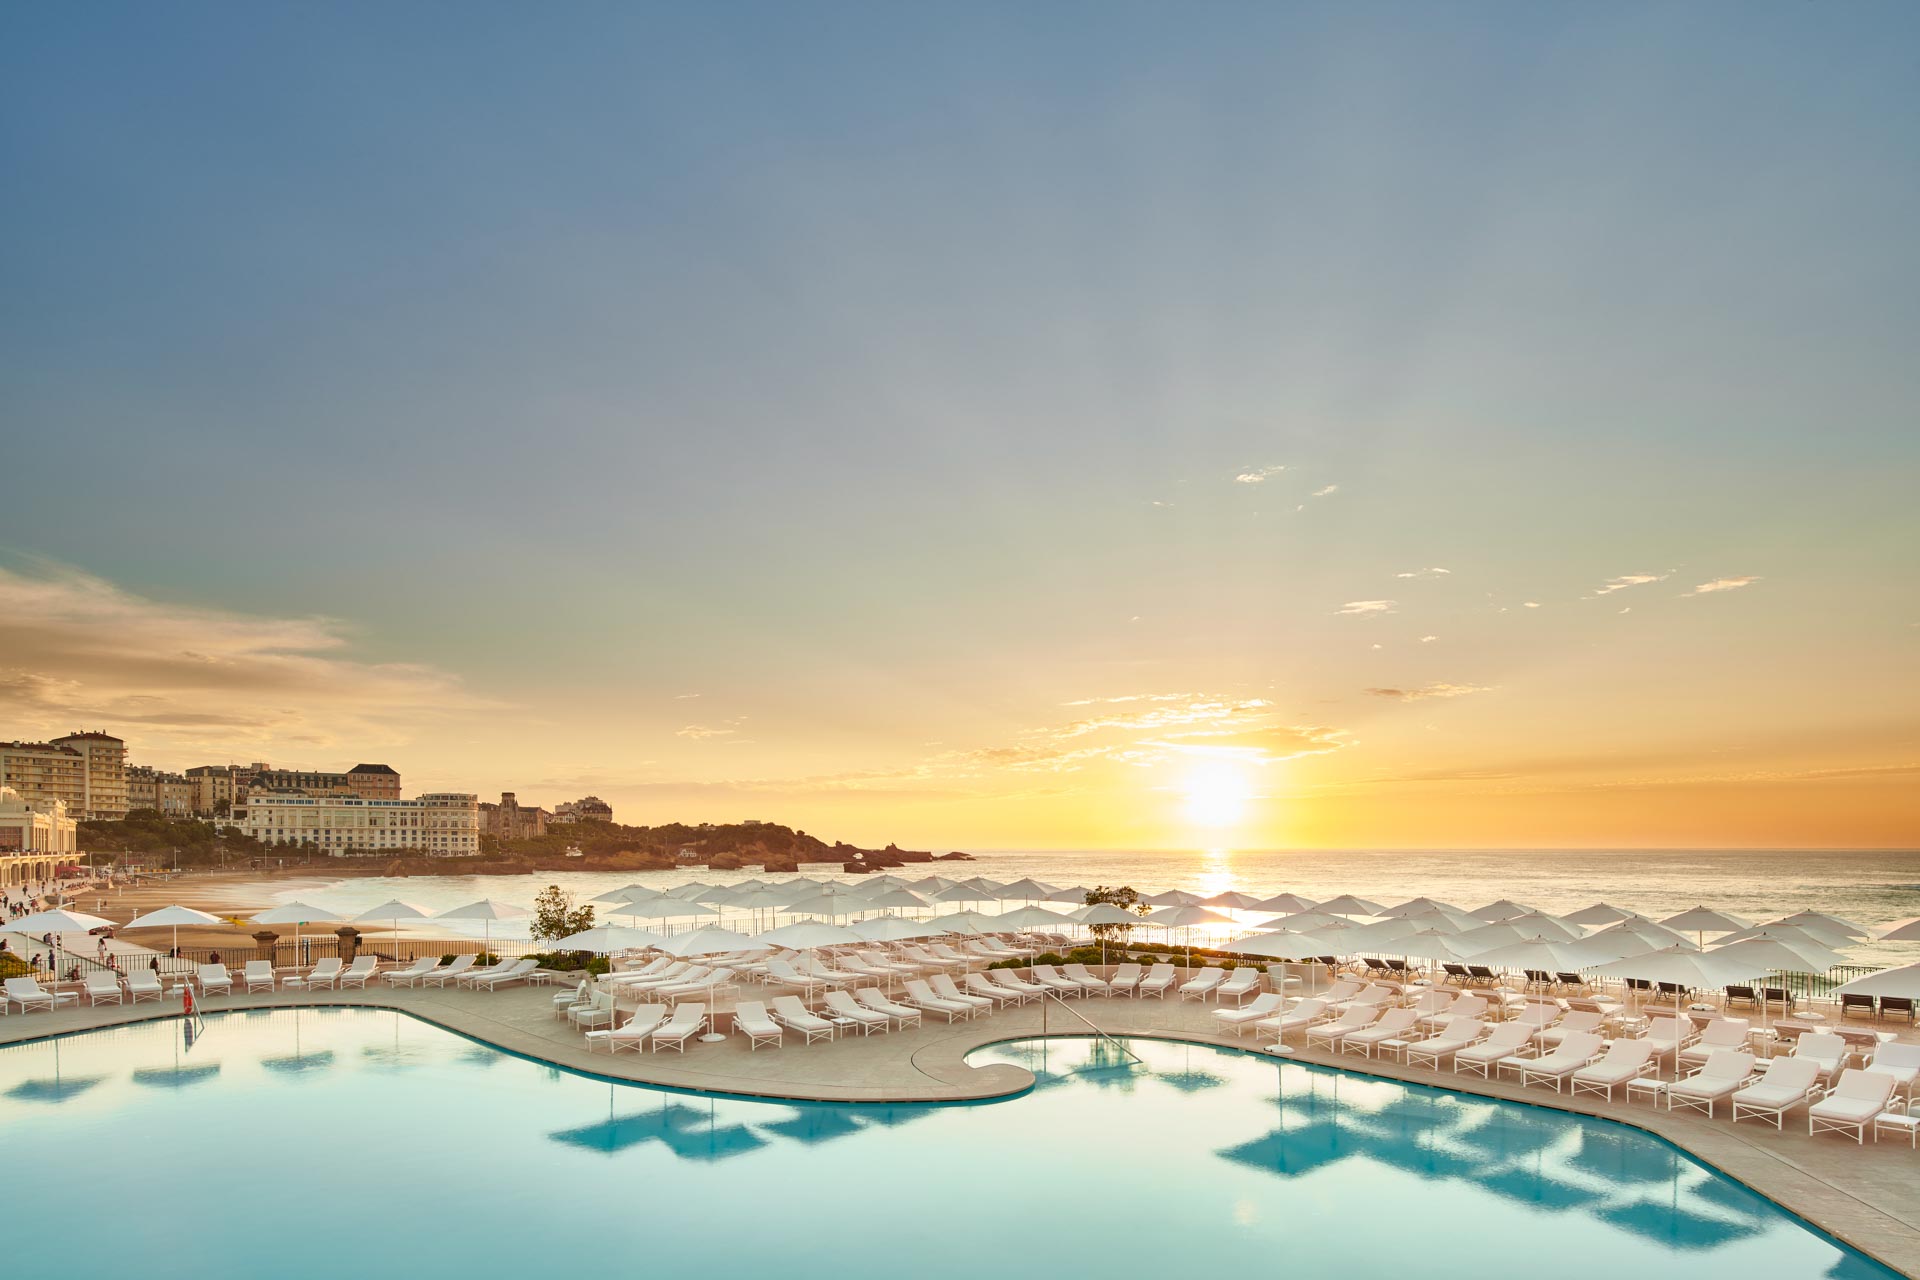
pixel 392 911
pixel 961 922
pixel 1285 902
pixel 486 911
pixel 58 920
pixel 1283 945
pixel 1026 890
pixel 1901 931
pixel 1185 916
pixel 1598 915
pixel 808 935
pixel 1657 934
pixel 629 893
pixel 1074 893
pixel 1903 981
pixel 1487 937
pixel 663 909
pixel 605 939
pixel 930 884
pixel 1762 954
pixel 758 900
pixel 1418 906
pixel 710 941
pixel 1232 901
pixel 893 929
pixel 1539 953
pixel 897 899
pixel 1832 924
pixel 1104 914
pixel 1379 935
pixel 1445 919
pixel 1171 898
pixel 1703 920
pixel 1811 934
pixel 1540 924
pixel 691 890
pixel 958 893
pixel 173 917
pixel 831 905
pixel 1683 967
pixel 296 914
pixel 1348 905
pixel 1506 908
pixel 1308 921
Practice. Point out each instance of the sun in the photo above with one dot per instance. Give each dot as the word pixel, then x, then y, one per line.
pixel 1217 795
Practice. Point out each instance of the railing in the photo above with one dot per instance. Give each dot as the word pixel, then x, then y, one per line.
pixel 1053 998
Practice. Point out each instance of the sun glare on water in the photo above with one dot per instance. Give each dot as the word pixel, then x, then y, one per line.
pixel 1217 795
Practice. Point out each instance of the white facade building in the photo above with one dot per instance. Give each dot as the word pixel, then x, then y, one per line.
pixel 444 824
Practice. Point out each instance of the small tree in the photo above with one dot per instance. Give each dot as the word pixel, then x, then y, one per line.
pixel 1125 896
pixel 555 916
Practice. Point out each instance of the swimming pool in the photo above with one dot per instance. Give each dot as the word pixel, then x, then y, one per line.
pixel 337 1142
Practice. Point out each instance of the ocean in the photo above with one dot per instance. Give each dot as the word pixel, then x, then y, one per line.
pixel 1873 887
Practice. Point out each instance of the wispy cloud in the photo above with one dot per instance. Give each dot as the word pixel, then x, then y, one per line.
pixel 75 648
pixel 1423 692
pixel 1363 608
pixel 1722 584
pixel 1324 490
pixel 1435 572
pixel 1428 639
pixel 1258 475
pixel 1629 580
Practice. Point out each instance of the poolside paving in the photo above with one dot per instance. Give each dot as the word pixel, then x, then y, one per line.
pixel 1868 1196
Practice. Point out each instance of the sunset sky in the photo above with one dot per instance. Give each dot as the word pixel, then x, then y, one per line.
pixel 984 426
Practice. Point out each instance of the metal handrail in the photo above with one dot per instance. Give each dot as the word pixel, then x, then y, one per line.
pixel 1109 1037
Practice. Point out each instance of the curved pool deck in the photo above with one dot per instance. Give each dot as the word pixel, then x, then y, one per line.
pixel 1867 1197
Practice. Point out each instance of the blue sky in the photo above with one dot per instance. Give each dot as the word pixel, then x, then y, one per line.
pixel 880 374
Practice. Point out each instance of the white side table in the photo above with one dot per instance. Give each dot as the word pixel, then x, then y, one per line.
pixel 1654 1091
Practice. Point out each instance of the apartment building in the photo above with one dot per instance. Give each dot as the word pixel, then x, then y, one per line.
pixel 169 794
pixel 443 824
pixel 585 809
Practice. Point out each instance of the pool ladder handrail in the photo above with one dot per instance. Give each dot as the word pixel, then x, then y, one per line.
pixel 1109 1037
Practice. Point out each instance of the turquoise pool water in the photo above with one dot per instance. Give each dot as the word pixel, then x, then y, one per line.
pixel 341 1142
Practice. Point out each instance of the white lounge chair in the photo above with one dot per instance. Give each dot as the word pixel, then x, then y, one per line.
pixel 942 984
pixel 1575 1022
pixel 1014 982
pixel 750 1020
pixel 1356 1019
pixel 874 999
pixel 597 1011
pixel 1091 985
pixel 1506 1040
pixel 842 1005
pixel 518 971
pixel 1901 1061
pixel 1824 1048
pixel 688 1020
pixel 1239 985
pixel 632 1033
pixel 214 979
pixel 1719 1078
pixel 1453 1035
pixel 258 975
pixel 1394 1024
pixel 1669 1035
pixel 1344 989
pixel 1433 1005
pixel 103 987
pixel 1474 1007
pixel 1125 979
pixel 325 974
pixel 1851 1105
pixel 1372 997
pixel 1721 1033
pixel 1304 1014
pixel 1203 984
pixel 651 969
pixel 1158 982
pixel 1265 1005
pixel 144 984
pixel 28 994
pixel 480 973
pixel 921 996
pixel 421 967
pixel 1052 979
pixel 978 984
pixel 462 964
pixel 1623 1062
pixel 783 972
pixel 357 973
pixel 928 960
pixel 1785 1084
pixel 714 980
pixel 795 1016
pixel 1571 1054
